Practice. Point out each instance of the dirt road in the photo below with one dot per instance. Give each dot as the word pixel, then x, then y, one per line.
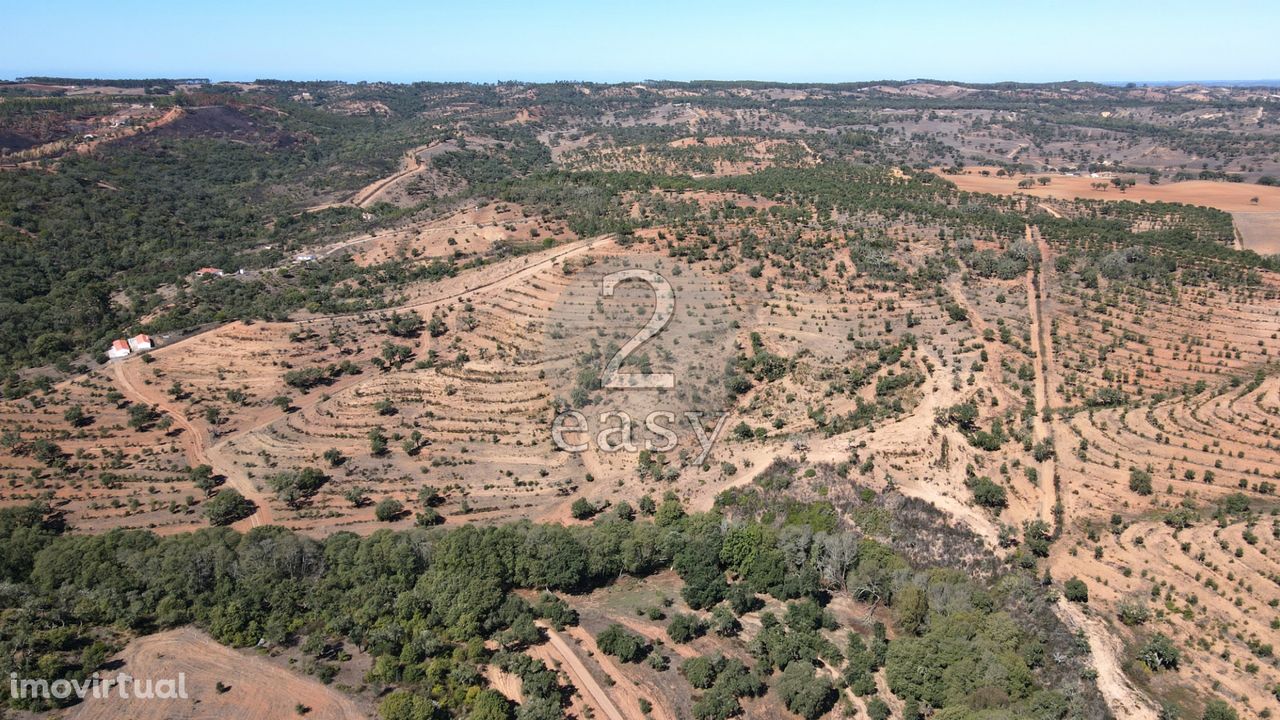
pixel 218 455
pixel 1043 429
pixel 507 277
pixel 1122 697
pixel 410 165
pixel 581 677
pixel 197 448
pixel 913 431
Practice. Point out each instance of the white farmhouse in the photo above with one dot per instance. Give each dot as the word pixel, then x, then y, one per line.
pixel 138 343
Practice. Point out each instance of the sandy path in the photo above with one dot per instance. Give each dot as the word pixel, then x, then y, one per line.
pixel 914 430
pixel 511 686
pixel 497 276
pixel 258 690
pixel 991 370
pixel 410 165
pixel 1050 210
pixel 1122 697
pixel 198 452
pixel 65 146
pixel 581 677
pixel 1042 429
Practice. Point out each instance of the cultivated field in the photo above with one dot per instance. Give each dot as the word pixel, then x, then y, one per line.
pixel 1228 196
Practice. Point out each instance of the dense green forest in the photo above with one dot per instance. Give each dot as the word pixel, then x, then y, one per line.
pixel 85 249
pixel 422 602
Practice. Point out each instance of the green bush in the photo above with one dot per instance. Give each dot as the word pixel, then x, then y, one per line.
pixel 1160 653
pixel 227 507
pixel 616 641
pixel 1076 590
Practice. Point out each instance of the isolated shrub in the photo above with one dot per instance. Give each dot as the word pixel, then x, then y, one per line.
pixel 1133 613
pixel 295 487
pixel 582 509
pixel 1140 481
pixel 616 641
pixel 1217 709
pixel 1160 653
pixel 1108 397
pixel 227 507
pixel 699 671
pixel 684 628
pixel 429 517
pixel 987 493
pixel 724 622
pixel 388 509
pixel 1076 590
pixel 555 611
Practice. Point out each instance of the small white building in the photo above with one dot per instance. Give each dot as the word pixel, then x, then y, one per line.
pixel 118 349
pixel 138 343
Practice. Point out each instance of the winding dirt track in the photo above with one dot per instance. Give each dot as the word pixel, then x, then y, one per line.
pixel 1125 700
pixel 913 430
pixel 411 164
pixel 1122 697
pixel 198 450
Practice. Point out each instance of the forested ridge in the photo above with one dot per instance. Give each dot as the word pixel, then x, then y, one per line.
pixel 422 601
pixel 84 249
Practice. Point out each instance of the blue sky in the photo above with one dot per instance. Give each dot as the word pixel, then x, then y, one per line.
pixel 1027 40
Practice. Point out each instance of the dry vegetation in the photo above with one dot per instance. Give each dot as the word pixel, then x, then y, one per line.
pixel 1079 389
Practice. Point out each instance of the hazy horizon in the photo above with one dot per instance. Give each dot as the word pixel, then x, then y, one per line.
pixel 1260 82
pixel 568 40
